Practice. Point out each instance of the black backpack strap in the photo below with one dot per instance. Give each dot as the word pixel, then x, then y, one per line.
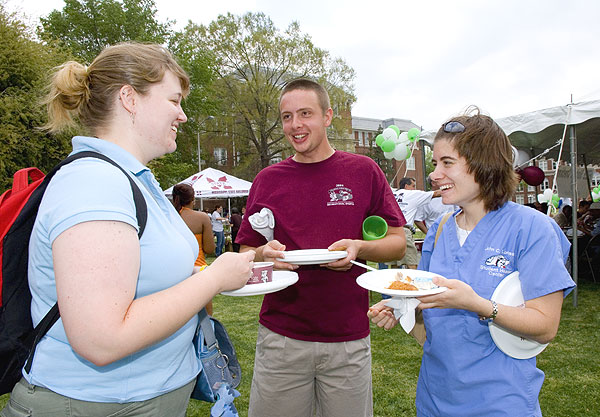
pixel 141 212
pixel 40 331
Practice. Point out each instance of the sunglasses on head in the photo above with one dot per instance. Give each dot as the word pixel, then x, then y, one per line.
pixel 454 127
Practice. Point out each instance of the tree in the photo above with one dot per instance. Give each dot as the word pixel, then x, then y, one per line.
pixel 252 61
pixel 87 26
pixel 25 64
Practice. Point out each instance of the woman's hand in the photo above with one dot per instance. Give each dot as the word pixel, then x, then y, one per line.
pixel 231 270
pixel 382 315
pixel 458 295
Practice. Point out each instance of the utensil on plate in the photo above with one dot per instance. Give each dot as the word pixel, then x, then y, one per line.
pixel 370 268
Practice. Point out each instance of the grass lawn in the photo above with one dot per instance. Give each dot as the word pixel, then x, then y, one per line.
pixel 571 364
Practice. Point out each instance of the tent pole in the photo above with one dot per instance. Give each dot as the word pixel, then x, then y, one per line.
pixel 574 257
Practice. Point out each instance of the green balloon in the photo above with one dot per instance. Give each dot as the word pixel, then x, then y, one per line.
pixel 395 128
pixel 555 200
pixel 413 134
pixel 408 153
pixel 597 190
pixel 379 139
pixel 388 146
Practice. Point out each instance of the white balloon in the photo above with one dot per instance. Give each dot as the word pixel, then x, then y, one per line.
pixel 403 138
pixel 389 155
pixel 548 194
pixel 541 198
pixel 401 152
pixel 390 134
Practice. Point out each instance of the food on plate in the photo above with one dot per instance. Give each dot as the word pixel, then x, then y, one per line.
pixel 403 286
pixel 404 282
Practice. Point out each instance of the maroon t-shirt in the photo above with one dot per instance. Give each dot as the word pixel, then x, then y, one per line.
pixel 315 205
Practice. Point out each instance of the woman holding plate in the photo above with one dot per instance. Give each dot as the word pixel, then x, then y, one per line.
pixel 463 372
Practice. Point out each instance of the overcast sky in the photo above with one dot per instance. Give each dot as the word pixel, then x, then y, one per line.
pixel 426 60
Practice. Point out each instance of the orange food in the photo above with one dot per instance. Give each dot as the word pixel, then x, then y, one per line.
pixel 403 286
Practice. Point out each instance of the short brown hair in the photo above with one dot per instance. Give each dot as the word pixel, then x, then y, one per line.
pixel 488 153
pixel 89 93
pixel 310 85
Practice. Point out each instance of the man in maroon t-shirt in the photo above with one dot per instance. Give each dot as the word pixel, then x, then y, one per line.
pixel 313 347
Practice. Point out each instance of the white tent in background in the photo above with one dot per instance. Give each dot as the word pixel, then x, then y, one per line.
pixel 212 183
pixel 537 132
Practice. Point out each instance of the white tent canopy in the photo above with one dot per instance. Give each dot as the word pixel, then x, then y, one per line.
pixel 212 183
pixel 539 131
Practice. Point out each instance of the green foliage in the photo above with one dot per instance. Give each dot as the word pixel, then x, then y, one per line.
pixel 87 26
pixel 252 60
pixel 24 66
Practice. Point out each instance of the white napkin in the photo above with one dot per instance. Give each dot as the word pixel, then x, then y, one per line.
pixel 263 222
pixel 404 310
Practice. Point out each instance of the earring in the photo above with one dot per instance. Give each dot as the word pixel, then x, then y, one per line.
pixel 132 115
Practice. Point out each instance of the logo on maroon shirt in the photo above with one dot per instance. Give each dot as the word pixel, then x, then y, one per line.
pixel 340 196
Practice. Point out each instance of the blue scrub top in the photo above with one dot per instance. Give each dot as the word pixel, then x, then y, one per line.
pixel 463 373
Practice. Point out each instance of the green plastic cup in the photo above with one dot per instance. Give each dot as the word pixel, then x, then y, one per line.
pixel 374 227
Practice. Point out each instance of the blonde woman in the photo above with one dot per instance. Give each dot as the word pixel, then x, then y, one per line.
pixel 128 306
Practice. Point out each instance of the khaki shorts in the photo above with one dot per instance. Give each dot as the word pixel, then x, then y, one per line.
pixel 295 378
pixel 410 257
pixel 27 400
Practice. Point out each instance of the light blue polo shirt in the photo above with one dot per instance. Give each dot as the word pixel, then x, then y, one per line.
pixel 91 189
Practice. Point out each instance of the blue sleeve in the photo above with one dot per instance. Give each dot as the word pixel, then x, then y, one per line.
pixel 87 190
pixel 541 259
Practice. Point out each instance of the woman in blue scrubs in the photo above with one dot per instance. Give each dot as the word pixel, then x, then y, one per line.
pixel 463 373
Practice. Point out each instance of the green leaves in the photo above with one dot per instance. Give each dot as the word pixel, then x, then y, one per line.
pixel 87 26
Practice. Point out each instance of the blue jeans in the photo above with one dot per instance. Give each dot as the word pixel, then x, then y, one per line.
pixel 220 242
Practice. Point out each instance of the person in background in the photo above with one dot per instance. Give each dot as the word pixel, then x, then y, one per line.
pixel 198 222
pixel 564 218
pixel 313 349
pixel 236 221
pixel 410 200
pixel 463 372
pixel 128 306
pixel 217 220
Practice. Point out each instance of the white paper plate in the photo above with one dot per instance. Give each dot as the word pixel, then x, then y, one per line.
pixel 312 256
pixel 509 293
pixel 281 280
pixel 379 280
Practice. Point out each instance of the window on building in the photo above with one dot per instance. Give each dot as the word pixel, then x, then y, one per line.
pixel 554 165
pixel 531 188
pixel 521 188
pixel 520 199
pixel 542 164
pixel 545 184
pixel 410 164
pixel 220 155
pixel 530 198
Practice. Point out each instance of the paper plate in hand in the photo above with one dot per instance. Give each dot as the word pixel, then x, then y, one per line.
pixel 312 256
pixel 509 293
pixel 281 280
pixel 379 281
